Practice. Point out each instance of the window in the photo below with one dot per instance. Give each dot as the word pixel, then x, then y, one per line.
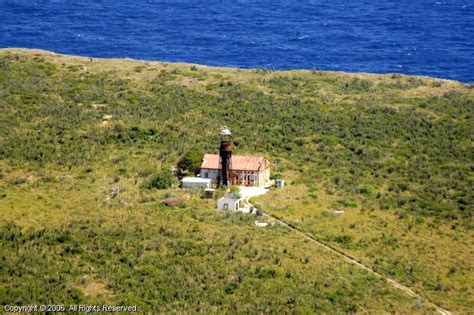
pixel 226 206
pixel 206 174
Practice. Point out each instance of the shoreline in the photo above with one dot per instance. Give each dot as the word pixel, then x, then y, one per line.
pixel 263 69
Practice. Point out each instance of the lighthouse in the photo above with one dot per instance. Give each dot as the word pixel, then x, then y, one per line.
pixel 226 169
pixel 225 157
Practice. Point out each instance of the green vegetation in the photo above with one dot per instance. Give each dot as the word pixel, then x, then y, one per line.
pixel 191 162
pixel 235 190
pixel 393 152
pixel 161 180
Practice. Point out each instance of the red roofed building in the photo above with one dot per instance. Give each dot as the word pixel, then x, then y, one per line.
pixel 244 170
pixel 241 169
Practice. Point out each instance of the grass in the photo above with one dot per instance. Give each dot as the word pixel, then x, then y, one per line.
pixel 392 151
pixel 418 252
pixel 81 249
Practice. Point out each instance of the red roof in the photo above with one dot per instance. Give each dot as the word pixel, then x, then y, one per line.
pixel 239 162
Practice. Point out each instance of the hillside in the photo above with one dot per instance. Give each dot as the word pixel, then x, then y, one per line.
pixel 393 152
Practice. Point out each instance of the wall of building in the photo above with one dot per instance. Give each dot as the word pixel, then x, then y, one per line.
pixel 195 184
pixel 209 173
pixel 232 204
pixel 245 178
pixel 264 176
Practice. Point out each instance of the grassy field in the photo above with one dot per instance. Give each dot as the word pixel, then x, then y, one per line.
pixel 393 152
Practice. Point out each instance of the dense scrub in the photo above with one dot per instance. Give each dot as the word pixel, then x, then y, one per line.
pixel 384 145
pixel 185 258
pixel 415 151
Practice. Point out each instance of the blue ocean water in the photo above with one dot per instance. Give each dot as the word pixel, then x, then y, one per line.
pixel 424 37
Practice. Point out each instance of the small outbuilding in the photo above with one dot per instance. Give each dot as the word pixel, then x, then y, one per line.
pixel 196 182
pixel 280 183
pixel 209 193
pixel 229 202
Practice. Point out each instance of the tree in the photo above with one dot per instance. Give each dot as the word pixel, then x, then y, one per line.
pixel 191 161
pixel 164 179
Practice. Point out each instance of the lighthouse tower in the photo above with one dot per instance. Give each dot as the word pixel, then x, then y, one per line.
pixel 225 157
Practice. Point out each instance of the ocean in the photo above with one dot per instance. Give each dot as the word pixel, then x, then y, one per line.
pixel 422 37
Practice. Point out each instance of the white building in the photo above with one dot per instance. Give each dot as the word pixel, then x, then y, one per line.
pixel 280 183
pixel 229 202
pixel 195 182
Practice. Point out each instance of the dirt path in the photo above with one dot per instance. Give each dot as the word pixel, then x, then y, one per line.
pixel 407 290
pixel 360 265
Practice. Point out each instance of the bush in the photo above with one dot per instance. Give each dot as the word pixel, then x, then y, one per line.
pixel 191 161
pixel 275 176
pixel 343 240
pixel 235 190
pixel 348 203
pixel 267 272
pixel 367 190
pixel 161 180
pixel 18 180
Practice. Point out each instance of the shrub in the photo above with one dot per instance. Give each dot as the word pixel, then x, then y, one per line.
pixel 18 180
pixel 161 180
pixel 230 289
pixel 267 272
pixel 235 190
pixel 348 203
pixel 403 186
pixel 343 239
pixel 191 161
pixel 306 259
pixel 367 190
pixel 275 176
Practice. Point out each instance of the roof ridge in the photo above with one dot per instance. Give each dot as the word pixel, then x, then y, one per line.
pixel 239 162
